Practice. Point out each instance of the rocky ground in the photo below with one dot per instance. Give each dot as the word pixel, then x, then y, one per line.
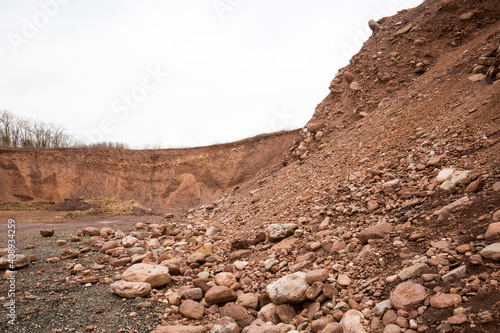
pixel 384 218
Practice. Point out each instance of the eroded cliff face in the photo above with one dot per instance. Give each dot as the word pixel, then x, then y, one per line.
pixel 167 179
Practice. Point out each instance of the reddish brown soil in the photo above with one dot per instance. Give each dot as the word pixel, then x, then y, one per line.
pixel 169 179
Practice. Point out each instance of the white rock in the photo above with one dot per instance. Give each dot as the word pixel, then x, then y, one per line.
pixel 129 241
pixel 351 322
pixel 380 307
pixel 225 279
pixel 444 175
pixel 130 289
pixel 491 251
pixel 276 231
pixel 155 275
pixel 240 265
pixel 289 289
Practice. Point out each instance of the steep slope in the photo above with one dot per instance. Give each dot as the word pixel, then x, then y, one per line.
pixel 421 96
pixel 437 112
pixel 169 179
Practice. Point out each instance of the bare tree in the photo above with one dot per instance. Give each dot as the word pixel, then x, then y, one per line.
pixel 26 133
pixel 6 122
pixel 26 140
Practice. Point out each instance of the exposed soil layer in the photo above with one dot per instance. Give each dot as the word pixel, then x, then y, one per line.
pixel 169 179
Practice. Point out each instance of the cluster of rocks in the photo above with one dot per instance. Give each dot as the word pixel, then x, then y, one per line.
pixel 376 242
pixel 289 279
pixel 487 67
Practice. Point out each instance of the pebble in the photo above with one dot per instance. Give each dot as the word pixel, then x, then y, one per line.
pixel 237 312
pixel 240 265
pixel 225 325
pixel 344 280
pixel 91 231
pixel 375 232
pixel 454 274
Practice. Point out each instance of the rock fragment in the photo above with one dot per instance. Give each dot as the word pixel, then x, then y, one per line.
pixel 408 295
pixel 191 309
pixel 374 26
pixel 130 289
pixel 491 252
pixel 155 275
pixel 351 322
pixel 277 232
pixel 220 294
pixel 445 300
pixel 289 289
pixel 46 233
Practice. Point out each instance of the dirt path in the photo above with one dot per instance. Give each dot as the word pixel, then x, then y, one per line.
pixel 29 223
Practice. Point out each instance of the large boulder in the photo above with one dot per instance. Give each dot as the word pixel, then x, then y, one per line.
pixel 408 295
pixel 351 322
pixel 220 294
pixel 241 315
pixel 91 231
pixel 491 252
pixel 20 261
pixel 130 289
pixel 445 300
pixel 155 275
pixel 275 231
pixel 191 309
pixel 225 325
pixel 289 289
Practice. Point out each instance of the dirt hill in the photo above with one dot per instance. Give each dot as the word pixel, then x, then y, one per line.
pixel 169 179
pixel 415 99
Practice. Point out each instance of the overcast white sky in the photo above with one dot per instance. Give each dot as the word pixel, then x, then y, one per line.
pixel 177 73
